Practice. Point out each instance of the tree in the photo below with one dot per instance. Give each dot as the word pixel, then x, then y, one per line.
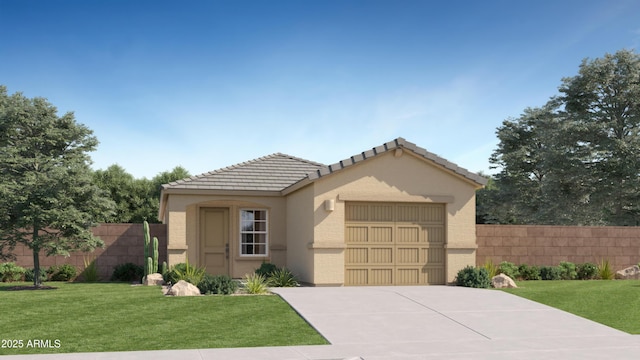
pixel 576 160
pixel 48 200
pixel 136 200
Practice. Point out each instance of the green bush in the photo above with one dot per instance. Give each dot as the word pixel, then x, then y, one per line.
pixel 473 277
pixel 171 276
pixel 529 272
pixel 587 271
pixel 64 272
pixel 220 284
pixel 11 272
pixel 569 271
pixel 550 273
pixel 127 272
pixel 510 269
pixel 28 275
pixel 185 271
pixel 266 269
pixel 282 278
pixel 255 284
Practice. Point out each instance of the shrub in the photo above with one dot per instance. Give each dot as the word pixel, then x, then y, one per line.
pixel 127 272
pixel 64 272
pixel 604 270
pixel 90 272
pixel 11 272
pixel 550 273
pixel 587 271
pixel 282 278
pixel 473 277
pixel 266 269
pixel 492 269
pixel 28 275
pixel 171 276
pixel 529 272
pixel 569 271
pixel 187 272
pixel 255 284
pixel 220 284
pixel 510 269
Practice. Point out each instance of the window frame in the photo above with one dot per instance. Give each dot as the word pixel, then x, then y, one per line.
pixel 254 232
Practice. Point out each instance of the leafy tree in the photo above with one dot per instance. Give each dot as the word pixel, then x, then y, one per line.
pixel 48 201
pixel 576 160
pixel 137 200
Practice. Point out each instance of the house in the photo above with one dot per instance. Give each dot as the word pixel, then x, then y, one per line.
pixel 393 215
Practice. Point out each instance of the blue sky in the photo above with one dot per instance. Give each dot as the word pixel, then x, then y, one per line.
pixel 207 84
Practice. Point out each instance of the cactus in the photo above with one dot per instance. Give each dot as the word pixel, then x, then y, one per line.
pixel 148 268
pixel 155 254
pixel 164 267
pixel 147 239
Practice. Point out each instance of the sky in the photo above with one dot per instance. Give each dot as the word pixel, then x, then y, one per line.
pixel 208 84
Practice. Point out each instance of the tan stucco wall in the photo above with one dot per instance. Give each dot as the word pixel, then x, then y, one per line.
pixel 300 234
pixel 182 218
pixel 389 177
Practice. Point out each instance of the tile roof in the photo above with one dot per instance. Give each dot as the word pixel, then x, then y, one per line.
pixel 392 145
pixel 274 172
pixel 277 172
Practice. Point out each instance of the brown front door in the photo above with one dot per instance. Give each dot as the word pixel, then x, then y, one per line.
pixel 214 234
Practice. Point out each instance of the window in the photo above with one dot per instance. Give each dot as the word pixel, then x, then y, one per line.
pixel 253 232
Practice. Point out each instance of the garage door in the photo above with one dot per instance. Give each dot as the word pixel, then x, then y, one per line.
pixel 394 244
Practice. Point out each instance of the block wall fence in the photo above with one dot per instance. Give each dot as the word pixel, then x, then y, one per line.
pixel 123 243
pixel 549 245
pixel 519 244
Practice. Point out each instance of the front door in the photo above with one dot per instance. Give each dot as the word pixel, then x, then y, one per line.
pixel 214 240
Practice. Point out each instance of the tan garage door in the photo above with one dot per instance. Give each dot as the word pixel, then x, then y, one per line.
pixel 394 244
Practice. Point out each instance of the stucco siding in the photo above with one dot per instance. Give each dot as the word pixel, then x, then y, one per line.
pixel 183 213
pixel 393 177
pixel 300 234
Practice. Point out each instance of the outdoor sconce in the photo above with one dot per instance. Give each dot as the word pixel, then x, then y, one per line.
pixel 329 205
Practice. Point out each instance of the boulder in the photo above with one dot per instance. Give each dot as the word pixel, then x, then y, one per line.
pixel 153 279
pixel 632 272
pixel 503 281
pixel 183 288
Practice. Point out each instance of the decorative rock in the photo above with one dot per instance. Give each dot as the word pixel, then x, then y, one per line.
pixel 153 279
pixel 503 281
pixel 632 272
pixel 183 288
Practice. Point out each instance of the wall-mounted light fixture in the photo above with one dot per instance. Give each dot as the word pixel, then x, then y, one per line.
pixel 329 205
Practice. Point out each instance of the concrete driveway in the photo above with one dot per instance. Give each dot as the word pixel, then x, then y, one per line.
pixel 453 323
pixel 420 322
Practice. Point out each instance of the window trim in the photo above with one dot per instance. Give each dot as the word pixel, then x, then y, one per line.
pixel 265 232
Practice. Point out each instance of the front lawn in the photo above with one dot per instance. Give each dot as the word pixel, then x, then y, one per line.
pixel 120 317
pixel 615 303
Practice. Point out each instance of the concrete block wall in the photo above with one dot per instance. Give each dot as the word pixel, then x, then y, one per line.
pixel 549 245
pixel 123 243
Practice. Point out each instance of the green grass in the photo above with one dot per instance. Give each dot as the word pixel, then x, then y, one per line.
pixel 120 317
pixel 613 303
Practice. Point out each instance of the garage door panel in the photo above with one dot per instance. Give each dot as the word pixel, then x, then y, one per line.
pixel 381 234
pixel 433 234
pixel 355 234
pixel 357 256
pixel 435 256
pixel 381 255
pixel 408 234
pixel 394 244
pixel 406 256
pixel 408 276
